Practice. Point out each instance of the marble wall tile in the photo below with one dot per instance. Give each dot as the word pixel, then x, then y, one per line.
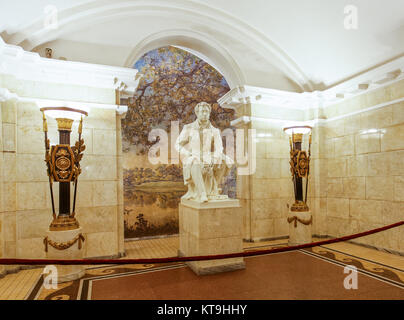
pixel 337 168
pixel 266 209
pixel 9 226
pixel 105 193
pixel 338 208
pixel 398 113
pixel 101 244
pixel 335 187
pixel 32 223
pixel 9 111
pixel 9 167
pixel 399 189
pixel 393 138
pixel 367 210
pixel 367 143
pixel 380 164
pixel 380 188
pixel 85 194
pixel 9 137
pixel 104 142
pixel 354 187
pixel 98 219
pixel 281 227
pixel 31 195
pixel 31 167
pixel 344 146
pixel 262 228
pixel 32 248
pixel 9 196
pixel 29 115
pixel 98 167
pixel 357 165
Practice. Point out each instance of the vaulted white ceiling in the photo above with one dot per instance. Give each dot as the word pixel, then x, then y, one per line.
pixel 296 45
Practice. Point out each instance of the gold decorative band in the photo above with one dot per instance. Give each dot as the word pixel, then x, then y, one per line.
pixel 63 245
pixel 64 124
pixel 64 223
pixel 295 219
pixel 299 207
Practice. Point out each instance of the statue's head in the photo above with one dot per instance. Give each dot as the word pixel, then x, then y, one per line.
pixel 202 111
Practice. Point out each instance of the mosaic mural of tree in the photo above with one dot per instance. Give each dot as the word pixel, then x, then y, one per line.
pixel 173 82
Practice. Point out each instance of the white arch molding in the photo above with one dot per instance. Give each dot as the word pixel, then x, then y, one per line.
pixel 199 45
pixel 91 13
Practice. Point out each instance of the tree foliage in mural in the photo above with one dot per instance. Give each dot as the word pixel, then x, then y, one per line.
pixel 173 82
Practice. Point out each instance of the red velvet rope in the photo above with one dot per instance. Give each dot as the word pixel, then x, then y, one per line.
pixel 193 258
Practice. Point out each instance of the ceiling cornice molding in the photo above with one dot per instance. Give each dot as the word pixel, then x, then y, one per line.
pixel 384 75
pixel 26 65
pixel 6 95
pixel 90 13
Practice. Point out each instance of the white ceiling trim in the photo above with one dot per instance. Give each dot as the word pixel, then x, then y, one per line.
pixel 85 15
pixel 30 66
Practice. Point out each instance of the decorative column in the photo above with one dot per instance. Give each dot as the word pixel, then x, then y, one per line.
pixel 64 239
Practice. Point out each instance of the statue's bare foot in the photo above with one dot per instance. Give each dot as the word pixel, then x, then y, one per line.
pixel 187 196
pixel 204 198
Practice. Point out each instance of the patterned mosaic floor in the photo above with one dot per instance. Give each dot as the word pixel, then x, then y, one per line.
pixel 28 284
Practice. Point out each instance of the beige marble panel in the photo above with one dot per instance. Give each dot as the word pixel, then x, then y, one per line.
pixel 9 167
pixel 377 119
pixel 105 193
pixel 337 168
pixel 399 188
pixel 31 195
pixel 104 142
pixel 367 210
pixel 335 188
pixel 9 226
pixel 398 113
pixel 32 248
pixel 9 137
pixel 97 219
pixel 397 163
pixel 281 227
pixel 262 229
pixel 266 209
pixel 85 194
pixel 31 139
pixel 344 146
pixel 351 124
pixel 339 227
pixel 357 166
pixel 9 196
pixel 9 111
pixel 101 244
pixel 243 187
pixel 29 115
pixel 380 164
pixel 31 167
pixel 393 138
pixel 335 128
pixel 101 119
pixel 367 143
pixel 32 223
pixel 338 208
pixel 380 188
pixel 98 167
pixel 354 187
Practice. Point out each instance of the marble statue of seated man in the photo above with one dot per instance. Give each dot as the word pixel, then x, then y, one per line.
pixel 201 152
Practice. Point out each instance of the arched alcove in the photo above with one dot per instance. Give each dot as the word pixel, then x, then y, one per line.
pixel 173 82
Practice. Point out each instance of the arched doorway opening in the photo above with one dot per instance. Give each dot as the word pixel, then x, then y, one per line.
pixel 174 81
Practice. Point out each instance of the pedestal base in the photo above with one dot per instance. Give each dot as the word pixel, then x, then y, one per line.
pixel 300 225
pixel 66 273
pixel 211 228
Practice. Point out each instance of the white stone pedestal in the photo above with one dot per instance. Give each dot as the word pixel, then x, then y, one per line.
pixel 66 273
pixel 211 228
pixel 299 231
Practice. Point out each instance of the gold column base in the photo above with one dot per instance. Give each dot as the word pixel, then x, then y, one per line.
pixel 62 223
pixel 299 206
